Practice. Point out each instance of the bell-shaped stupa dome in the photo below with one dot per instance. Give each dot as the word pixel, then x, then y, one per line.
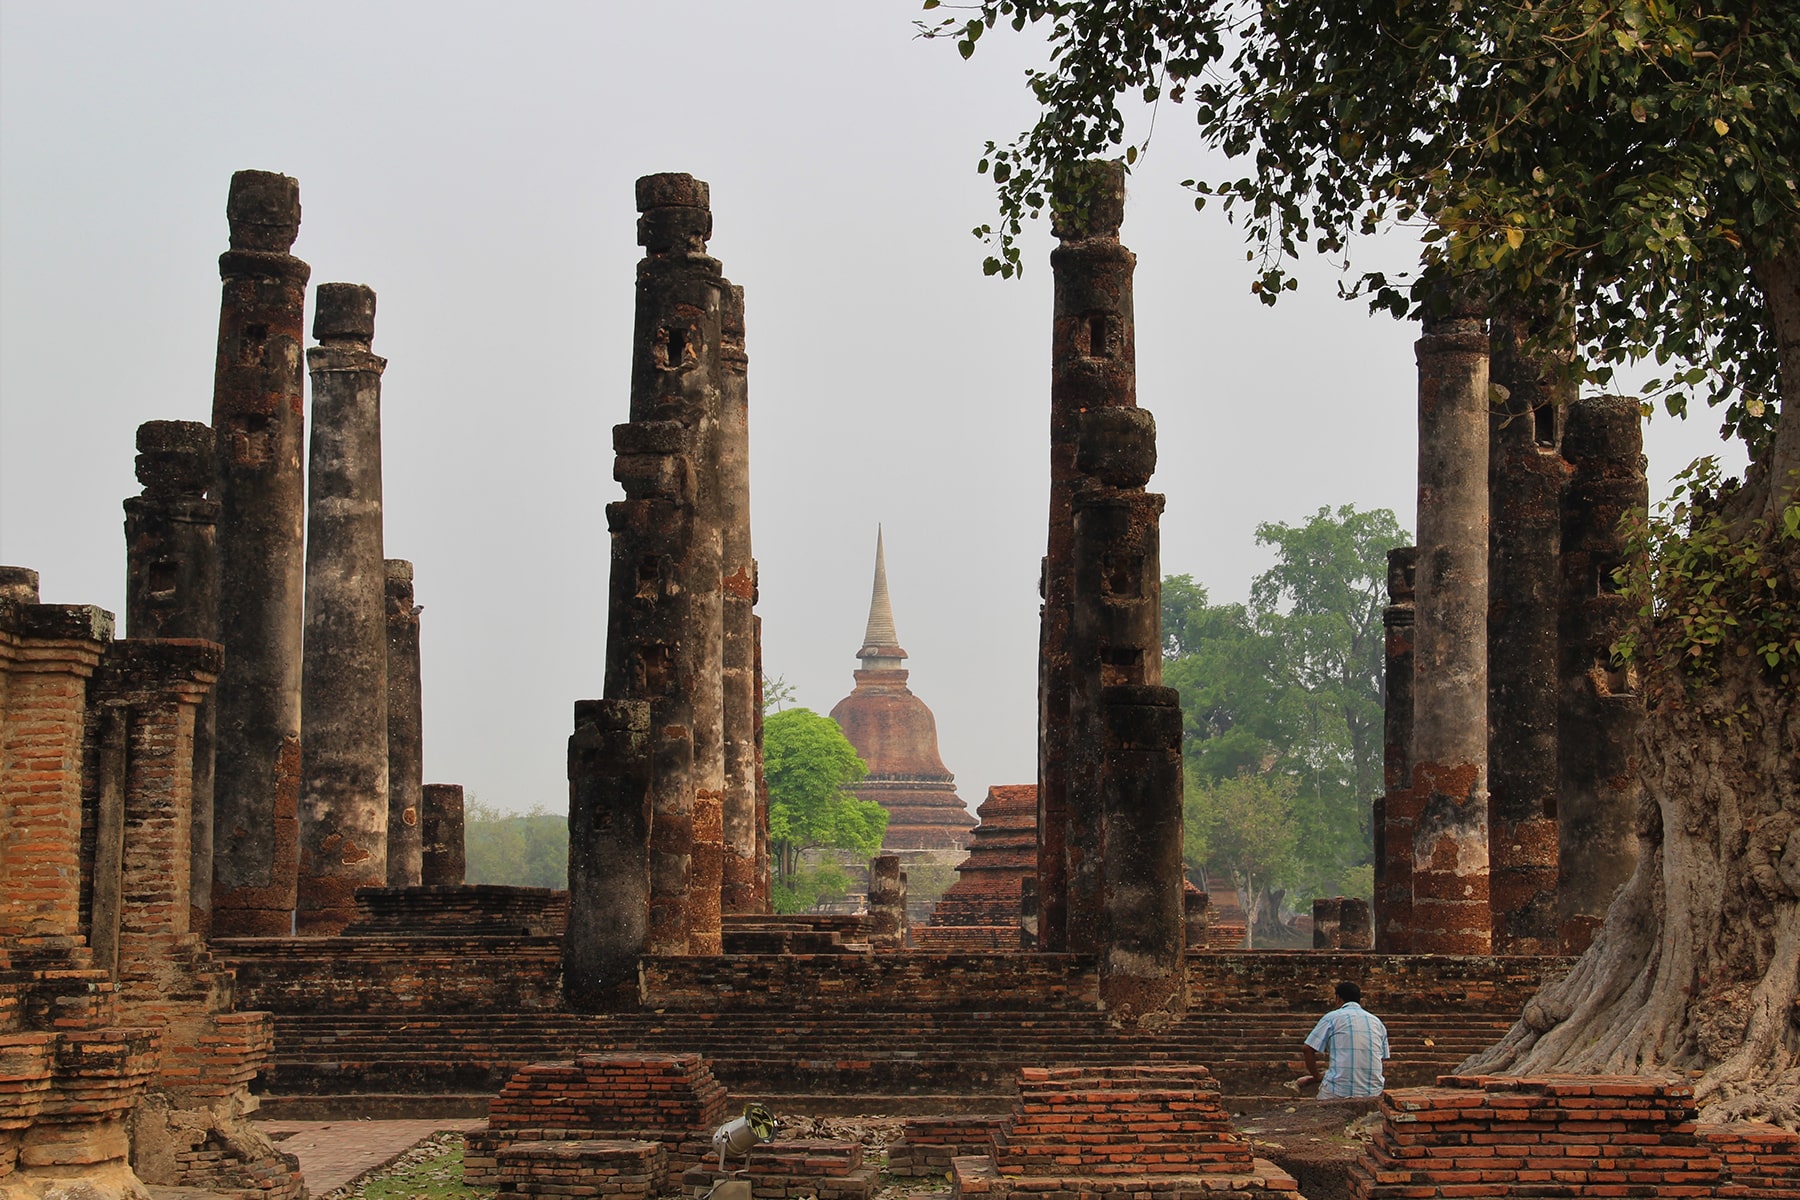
pixel 896 735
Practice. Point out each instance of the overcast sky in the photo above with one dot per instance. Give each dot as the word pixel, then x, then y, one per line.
pixel 474 165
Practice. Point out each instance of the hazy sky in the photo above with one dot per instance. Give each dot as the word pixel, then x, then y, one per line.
pixel 474 165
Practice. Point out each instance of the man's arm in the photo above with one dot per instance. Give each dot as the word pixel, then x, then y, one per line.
pixel 1312 1064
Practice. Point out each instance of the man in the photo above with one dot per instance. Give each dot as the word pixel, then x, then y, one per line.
pixel 1355 1041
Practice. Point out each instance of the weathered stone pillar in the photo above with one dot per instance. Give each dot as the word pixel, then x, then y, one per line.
pixel 344 718
pixel 1093 365
pixel 609 853
pixel 1124 831
pixel 443 860
pixel 405 729
pixel 1449 746
pixel 1196 907
pixel 887 904
pixel 1602 708
pixel 1356 930
pixel 1525 481
pixel 763 870
pixel 1395 810
pixel 172 591
pixel 257 420
pixel 664 626
pixel 1326 914
pixel 742 693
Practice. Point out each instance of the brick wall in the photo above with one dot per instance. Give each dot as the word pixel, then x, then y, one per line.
pixel 1575 1136
pixel 1301 980
pixel 893 982
pixel 396 974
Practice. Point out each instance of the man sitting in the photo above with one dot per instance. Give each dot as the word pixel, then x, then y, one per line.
pixel 1355 1041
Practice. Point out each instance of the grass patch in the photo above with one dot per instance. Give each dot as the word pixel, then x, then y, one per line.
pixel 432 1170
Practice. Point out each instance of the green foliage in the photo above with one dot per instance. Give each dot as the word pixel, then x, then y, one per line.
pixel 806 888
pixel 1244 827
pixel 810 766
pixel 1710 588
pixel 777 693
pixel 521 849
pixel 1632 165
pixel 1291 684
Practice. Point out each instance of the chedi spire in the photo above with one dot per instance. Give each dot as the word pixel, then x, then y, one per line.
pixel 896 735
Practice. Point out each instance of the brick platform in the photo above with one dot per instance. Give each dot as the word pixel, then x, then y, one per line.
pixel 816 1167
pixel 928 1144
pixel 583 1168
pixel 669 1099
pixel 1140 1130
pixel 1568 1136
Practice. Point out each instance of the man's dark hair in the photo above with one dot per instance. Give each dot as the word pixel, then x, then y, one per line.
pixel 1347 991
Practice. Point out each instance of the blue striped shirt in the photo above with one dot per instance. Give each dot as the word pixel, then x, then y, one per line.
pixel 1355 1041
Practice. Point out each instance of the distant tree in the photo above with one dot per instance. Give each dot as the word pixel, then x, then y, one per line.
pixel 529 849
pixel 810 766
pixel 776 694
pixel 1244 828
pixel 1291 684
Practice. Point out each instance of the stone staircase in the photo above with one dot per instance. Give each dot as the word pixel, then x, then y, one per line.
pixel 828 1062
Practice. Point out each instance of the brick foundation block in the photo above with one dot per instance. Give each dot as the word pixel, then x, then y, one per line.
pixel 582 1168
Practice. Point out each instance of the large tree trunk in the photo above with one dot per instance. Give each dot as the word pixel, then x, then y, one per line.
pixel 1697 969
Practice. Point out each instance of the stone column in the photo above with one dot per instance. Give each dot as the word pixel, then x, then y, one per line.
pixel 172 591
pixel 741 689
pixel 1449 746
pixel 1327 913
pixel 443 860
pixel 1093 365
pixel 887 904
pixel 1124 831
pixel 156 686
pixel 1525 481
pixel 1395 812
pixel 257 421
pixel 1355 929
pixel 344 718
pixel 664 627
pixel 609 853
pixel 406 727
pixel 1602 707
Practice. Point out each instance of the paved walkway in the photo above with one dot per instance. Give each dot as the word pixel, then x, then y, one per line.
pixel 333 1153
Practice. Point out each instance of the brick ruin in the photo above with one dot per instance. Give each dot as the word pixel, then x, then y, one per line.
pixel 1071 976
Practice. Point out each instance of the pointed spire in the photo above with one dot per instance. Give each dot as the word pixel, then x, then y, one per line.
pixel 879 639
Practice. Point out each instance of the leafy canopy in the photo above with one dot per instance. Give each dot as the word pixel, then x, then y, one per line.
pixel 1290 687
pixel 810 766
pixel 1630 165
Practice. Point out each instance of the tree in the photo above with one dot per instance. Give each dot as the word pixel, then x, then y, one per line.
pixel 809 765
pixel 1616 178
pixel 528 849
pixel 1244 827
pixel 1292 683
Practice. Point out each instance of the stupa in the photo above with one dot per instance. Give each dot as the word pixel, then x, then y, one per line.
pixel 896 735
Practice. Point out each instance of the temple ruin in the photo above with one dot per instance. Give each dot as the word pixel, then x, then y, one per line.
pixel 895 735
pixel 225 885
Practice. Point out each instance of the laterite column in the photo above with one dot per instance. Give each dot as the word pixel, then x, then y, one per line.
pixel 443 852
pixel 742 697
pixel 172 591
pixel 1093 365
pixel 406 727
pixel 258 393
pixel 1525 482
pixel 1602 707
pixel 344 726
pixel 1395 813
pixel 1449 746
